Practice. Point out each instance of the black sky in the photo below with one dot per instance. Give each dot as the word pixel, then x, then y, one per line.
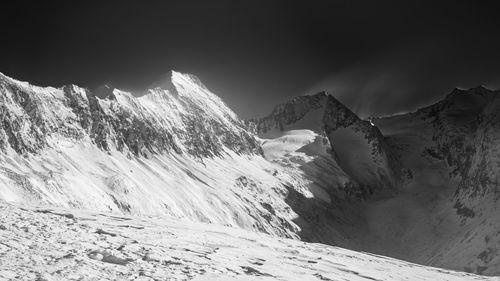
pixel 378 57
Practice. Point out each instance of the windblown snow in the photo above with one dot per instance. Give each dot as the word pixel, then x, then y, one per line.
pixel 57 244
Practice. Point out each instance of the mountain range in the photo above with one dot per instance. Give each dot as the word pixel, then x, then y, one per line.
pixel 420 186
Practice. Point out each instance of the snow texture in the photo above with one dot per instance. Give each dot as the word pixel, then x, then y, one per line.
pixel 57 244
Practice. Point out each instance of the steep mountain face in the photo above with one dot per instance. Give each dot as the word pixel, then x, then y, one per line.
pixel 424 183
pixel 184 117
pixel 346 160
pixel 177 150
pixel 357 147
pixel 452 149
pixel 465 130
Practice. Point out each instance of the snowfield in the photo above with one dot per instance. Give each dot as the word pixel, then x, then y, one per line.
pixel 59 244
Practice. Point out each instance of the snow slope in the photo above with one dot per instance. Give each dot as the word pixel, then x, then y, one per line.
pixel 57 244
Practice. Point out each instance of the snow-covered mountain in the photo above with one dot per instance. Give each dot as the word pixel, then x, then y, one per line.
pixel 176 150
pixel 425 182
pixel 183 116
pixel 357 147
pixel 420 186
pixel 452 147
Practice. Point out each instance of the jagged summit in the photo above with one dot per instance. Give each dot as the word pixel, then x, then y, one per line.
pixel 166 81
pixel 193 120
pixel 478 96
pixel 318 94
pixel 320 105
pixel 459 102
pixel 317 112
pixel 187 76
pixel 478 90
pixel 357 146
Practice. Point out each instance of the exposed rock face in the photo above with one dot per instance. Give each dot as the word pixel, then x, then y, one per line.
pixel 184 118
pixel 326 116
pixel 428 180
pixel 291 112
pixel 464 135
pixel 460 134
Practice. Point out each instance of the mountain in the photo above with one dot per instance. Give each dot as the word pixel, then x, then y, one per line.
pixel 420 186
pixel 356 145
pixel 177 150
pixel 452 147
pixel 184 117
pixel 347 161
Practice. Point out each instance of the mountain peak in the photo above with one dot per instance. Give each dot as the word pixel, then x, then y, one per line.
pixel 187 118
pixel 187 77
pixel 480 88
pixel 167 81
pixel 319 94
pixel 6 79
pixel 309 112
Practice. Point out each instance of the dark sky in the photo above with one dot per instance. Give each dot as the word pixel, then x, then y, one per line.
pixel 378 57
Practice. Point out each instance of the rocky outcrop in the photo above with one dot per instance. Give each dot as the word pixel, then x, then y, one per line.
pixel 465 135
pixel 457 140
pixel 184 118
pixel 327 116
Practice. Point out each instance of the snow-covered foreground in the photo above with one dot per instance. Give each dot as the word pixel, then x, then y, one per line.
pixel 57 244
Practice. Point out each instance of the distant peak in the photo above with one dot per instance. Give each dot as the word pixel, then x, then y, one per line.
pixel 319 94
pixel 187 77
pixel 480 88
pixel 174 81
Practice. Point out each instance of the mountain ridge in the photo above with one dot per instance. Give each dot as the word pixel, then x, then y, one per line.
pixel 179 157
pixel 125 107
pixel 311 169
